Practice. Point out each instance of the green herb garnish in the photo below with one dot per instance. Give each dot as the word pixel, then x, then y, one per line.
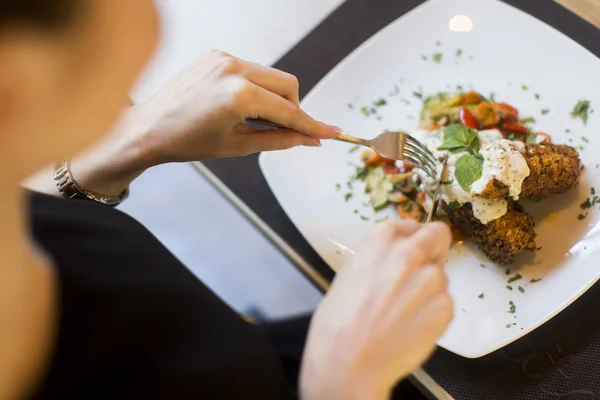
pixel 508 325
pixel 536 280
pixel 581 217
pixel 524 87
pixel 361 173
pixel 460 138
pixel 468 170
pixel 417 95
pixel 365 111
pixel 455 204
pixel 380 102
pixel 532 138
pixel 364 218
pixel 405 101
pixel 348 196
pixel 507 271
pixel 585 139
pixel 424 57
pixel 537 96
pixel 586 204
pixel 581 110
pixel 437 57
pixel 481 296
pixel 492 97
pixel 353 149
pixel 338 187
pixel 512 307
pixel 521 289
pixel 459 52
pixel 514 278
pixel 482 265
pixel 509 287
pixel 527 120
pixel 407 207
pixel 545 111
pixel 351 106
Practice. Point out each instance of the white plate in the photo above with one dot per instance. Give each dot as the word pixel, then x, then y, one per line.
pixel 505 49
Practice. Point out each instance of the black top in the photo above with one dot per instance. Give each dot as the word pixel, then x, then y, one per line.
pixel 134 323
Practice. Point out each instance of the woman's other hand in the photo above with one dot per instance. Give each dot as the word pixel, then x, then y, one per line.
pixel 200 114
pixel 382 315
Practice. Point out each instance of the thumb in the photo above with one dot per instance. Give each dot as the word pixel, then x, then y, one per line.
pixel 278 139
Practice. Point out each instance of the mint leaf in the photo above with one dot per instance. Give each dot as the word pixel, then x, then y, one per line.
pixel 581 110
pixel 468 170
pixel 459 138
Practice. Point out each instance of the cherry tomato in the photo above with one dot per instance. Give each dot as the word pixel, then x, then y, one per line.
pixel 487 115
pixel 472 98
pixel 506 111
pixel 467 118
pixel 514 127
pixel 371 159
pixel 406 167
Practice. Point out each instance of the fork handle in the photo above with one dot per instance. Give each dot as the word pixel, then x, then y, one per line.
pixel 341 137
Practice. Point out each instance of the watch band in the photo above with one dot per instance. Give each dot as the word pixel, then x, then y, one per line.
pixel 69 188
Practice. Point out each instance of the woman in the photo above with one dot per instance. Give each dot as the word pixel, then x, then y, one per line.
pixel 98 308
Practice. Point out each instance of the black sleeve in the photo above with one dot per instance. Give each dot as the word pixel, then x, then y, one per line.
pixel 134 323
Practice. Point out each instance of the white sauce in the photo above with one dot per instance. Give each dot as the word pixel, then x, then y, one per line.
pixel 503 160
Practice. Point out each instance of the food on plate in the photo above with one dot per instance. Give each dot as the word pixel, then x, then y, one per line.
pixel 494 159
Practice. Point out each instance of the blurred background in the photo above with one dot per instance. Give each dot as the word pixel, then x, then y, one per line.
pixel 176 203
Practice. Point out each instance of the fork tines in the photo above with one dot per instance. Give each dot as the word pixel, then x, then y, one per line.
pixel 419 155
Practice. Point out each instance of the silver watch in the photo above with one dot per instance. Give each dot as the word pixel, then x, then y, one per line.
pixel 69 188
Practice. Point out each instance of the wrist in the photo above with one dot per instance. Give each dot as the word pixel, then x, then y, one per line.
pixel 333 381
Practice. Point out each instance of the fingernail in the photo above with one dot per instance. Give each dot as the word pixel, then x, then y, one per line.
pixel 336 129
pixel 313 144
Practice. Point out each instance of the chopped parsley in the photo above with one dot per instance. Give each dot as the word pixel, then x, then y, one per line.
pixel 509 287
pixel 492 97
pixel 524 87
pixel 381 220
pixel 348 196
pixel 455 204
pixel 585 139
pixel 481 296
pixel 581 110
pixel 437 57
pixel 592 191
pixel 438 43
pixel 380 102
pixel 418 95
pixel 507 271
pixel 528 120
pixel 459 52
pixel 351 106
pixel 537 96
pixel 482 265
pixel 353 149
pixel 407 207
pixel 424 57
pixel 365 111
pixel 581 217
pixel 586 204
pixel 355 211
pixel 521 289
pixel 405 101
pixel 508 325
pixel 536 280
pixel 512 307
pixel 364 218
pixel 338 252
pixel 338 187
pixel 361 173
pixel 514 278
pixel 545 111
pixel 567 131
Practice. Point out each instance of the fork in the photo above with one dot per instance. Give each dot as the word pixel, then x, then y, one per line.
pixel 394 145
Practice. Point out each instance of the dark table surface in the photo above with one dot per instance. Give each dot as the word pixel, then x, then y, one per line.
pixel 560 360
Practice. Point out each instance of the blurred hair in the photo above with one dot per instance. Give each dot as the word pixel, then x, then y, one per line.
pixel 39 14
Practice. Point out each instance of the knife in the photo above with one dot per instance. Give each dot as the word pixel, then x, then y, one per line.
pixel 436 201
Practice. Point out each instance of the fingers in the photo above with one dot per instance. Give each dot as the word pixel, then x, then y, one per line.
pixel 276 81
pixel 428 245
pixel 435 315
pixel 258 102
pixel 277 139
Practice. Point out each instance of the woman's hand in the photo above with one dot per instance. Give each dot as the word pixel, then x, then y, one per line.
pixel 382 315
pixel 200 114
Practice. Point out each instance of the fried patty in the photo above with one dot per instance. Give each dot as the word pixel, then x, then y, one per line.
pixel 502 239
pixel 554 169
